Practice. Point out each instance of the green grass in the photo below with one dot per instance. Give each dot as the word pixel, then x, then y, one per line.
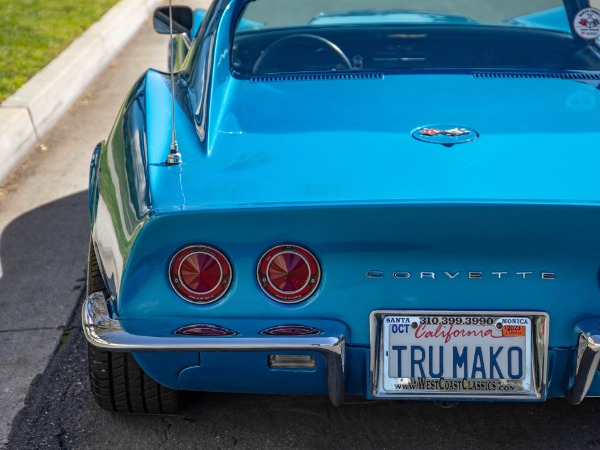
pixel 34 32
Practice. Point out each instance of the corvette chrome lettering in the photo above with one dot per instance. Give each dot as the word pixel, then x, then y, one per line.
pixel 402 275
pixel 375 274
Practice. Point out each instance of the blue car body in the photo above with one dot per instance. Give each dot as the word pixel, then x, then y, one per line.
pixel 329 161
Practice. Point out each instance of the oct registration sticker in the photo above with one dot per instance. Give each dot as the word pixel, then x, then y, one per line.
pixel 456 355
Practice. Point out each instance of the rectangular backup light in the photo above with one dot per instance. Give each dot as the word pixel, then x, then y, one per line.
pixel 292 362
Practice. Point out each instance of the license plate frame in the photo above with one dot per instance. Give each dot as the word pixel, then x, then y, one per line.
pixel 533 387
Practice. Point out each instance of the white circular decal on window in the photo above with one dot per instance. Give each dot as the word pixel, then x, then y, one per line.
pixel 587 23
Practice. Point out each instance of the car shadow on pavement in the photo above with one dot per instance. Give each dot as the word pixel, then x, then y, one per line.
pixel 43 254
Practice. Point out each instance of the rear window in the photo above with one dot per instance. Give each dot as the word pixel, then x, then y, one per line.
pixel 291 36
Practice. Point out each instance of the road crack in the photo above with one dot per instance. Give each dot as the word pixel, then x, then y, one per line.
pixel 166 431
pixel 24 330
pixel 61 437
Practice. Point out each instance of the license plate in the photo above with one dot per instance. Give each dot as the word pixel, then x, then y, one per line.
pixel 462 355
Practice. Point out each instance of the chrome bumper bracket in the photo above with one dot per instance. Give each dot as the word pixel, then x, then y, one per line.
pixel 588 358
pixel 106 333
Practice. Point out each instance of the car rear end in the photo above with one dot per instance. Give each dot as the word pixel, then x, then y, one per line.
pixel 474 292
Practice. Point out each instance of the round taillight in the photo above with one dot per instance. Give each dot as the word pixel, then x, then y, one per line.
pixel 200 274
pixel 288 273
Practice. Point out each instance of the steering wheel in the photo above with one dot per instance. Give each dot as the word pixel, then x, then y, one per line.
pixel 301 53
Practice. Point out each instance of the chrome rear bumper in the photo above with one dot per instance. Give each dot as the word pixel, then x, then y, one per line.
pixel 106 333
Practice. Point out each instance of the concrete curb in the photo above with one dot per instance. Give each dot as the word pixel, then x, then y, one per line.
pixel 34 109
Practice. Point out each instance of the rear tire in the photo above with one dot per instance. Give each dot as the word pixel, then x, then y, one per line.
pixel 118 383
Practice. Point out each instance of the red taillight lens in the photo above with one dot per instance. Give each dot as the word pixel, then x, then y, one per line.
pixel 200 274
pixel 288 273
pixel 205 330
pixel 291 330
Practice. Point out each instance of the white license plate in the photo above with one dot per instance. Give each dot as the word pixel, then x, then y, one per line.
pixel 458 355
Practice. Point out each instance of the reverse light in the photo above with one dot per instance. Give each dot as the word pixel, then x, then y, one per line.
pixel 200 274
pixel 292 362
pixel 288 273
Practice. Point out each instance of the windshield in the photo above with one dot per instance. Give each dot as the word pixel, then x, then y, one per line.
pixel 291 36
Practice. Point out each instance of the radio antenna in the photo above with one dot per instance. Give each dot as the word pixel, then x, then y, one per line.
pixel 174 157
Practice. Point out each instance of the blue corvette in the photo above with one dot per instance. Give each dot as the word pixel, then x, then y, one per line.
pixel 381 198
